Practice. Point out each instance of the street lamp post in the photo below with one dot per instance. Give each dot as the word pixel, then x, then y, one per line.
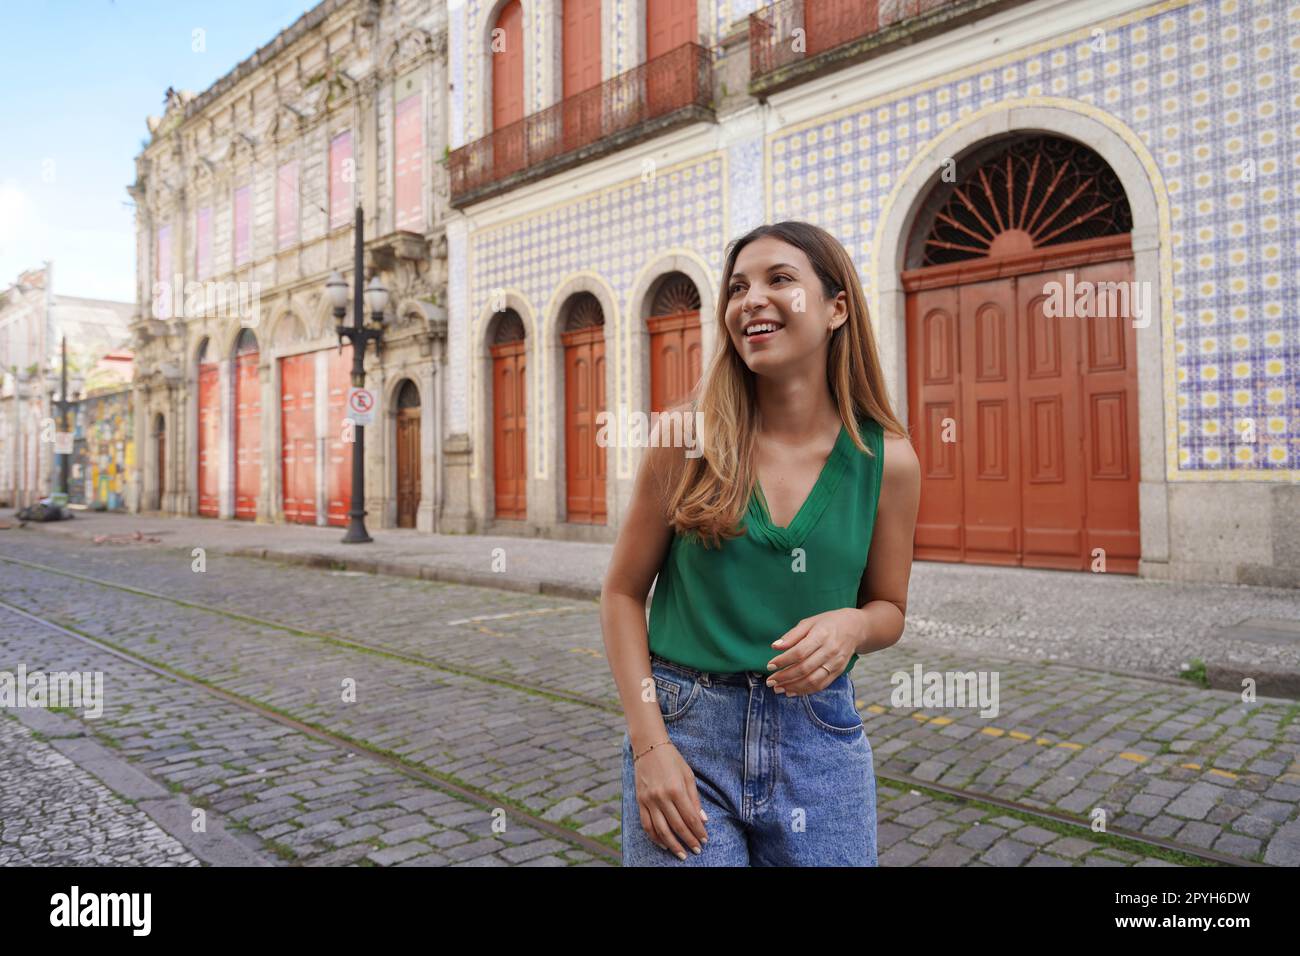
pixel 359 335
pixel 57 388
pixel 66 457
pixel 58 391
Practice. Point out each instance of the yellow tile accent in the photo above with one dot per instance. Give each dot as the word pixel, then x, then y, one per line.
pixel 992 731
pixel 941 721
pixel 1224 773
pixel 876 709
pixel 1190 766
pixel 1044 741
pixel 920 717
pixel 1135 757
pixel 1070 746
pixel 1020 736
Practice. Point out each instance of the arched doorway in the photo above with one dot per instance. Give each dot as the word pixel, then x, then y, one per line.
pixel 160 460
pixel 509 416
pixel 209 435
pixel 408 454
pixel 1022 368
pixel 248 426
pixel 675 352
pixel 584 398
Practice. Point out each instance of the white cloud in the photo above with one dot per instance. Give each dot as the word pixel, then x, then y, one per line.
pixel 95 263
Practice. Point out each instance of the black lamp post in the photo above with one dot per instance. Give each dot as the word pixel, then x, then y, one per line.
pixel 61 403
pixel 359 335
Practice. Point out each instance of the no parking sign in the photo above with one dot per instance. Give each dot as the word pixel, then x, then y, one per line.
pixel 361 406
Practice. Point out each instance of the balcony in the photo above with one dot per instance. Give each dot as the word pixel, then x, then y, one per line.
pixel 669 91
pixel 793 40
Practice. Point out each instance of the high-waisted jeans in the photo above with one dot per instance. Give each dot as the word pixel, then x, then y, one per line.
pixel 785 781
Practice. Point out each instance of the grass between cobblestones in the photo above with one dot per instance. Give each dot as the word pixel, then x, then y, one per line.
pixel 1291 713
pixel 1082 831
pixel 1196 673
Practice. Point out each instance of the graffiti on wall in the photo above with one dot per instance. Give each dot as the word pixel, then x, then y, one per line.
pixel 103 451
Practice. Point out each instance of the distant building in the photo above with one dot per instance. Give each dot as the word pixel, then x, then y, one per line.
pixel 34 320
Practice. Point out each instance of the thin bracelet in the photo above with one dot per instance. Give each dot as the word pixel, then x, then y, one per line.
pixel 650 748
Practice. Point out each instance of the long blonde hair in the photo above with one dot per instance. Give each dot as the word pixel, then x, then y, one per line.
pixel 714 488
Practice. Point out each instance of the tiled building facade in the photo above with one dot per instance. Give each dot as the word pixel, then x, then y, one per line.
pixel 1192 105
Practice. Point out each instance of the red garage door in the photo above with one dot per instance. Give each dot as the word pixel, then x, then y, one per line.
pixel 298 437
pixel 248 427
pixel 209 439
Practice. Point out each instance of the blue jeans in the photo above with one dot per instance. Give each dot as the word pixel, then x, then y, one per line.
pixel 785 781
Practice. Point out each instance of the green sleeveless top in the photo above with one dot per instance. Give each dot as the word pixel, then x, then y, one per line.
pixel 719 610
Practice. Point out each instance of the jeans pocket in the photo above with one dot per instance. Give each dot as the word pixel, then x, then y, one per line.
pixel 675 690
pixel 832 708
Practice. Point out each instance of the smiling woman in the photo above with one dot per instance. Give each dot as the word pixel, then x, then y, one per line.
pixel 782 553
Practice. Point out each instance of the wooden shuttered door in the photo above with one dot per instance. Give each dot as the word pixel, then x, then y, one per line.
pixel 584 399
pixel 510 419
pixel 676 356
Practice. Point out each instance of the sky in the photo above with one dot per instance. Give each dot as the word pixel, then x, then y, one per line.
pixel 77 79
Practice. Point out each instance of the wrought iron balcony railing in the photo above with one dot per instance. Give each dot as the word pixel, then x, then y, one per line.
pixel 660 87
pixel 791 31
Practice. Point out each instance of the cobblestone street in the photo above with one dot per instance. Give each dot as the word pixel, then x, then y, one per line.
pixel 485 728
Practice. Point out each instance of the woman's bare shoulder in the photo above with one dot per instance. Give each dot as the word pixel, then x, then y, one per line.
pixel 901 467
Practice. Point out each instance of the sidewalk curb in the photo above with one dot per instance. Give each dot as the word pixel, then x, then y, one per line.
pixel 172 813
pixel 424 572
pixel 1268 681
pixel 446 574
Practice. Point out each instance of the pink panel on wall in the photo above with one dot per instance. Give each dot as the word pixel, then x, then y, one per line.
pixel 409 165
pixel 286 205
pixel 342 173
pixel 203 242
pixel 243 225
pixel 163 261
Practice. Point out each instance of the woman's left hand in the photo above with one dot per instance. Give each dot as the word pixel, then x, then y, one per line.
pixel 829 638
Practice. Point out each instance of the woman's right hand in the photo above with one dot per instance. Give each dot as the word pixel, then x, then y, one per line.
pixel 669 802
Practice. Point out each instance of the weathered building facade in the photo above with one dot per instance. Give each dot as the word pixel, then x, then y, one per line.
pixel 245 199
pixel 1074 222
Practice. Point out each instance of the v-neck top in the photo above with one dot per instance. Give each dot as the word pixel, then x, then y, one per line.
pixel 720 609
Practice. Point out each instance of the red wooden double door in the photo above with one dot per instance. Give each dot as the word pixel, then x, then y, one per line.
pixel 298 402
pixel 1025 424
pixel 247 436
